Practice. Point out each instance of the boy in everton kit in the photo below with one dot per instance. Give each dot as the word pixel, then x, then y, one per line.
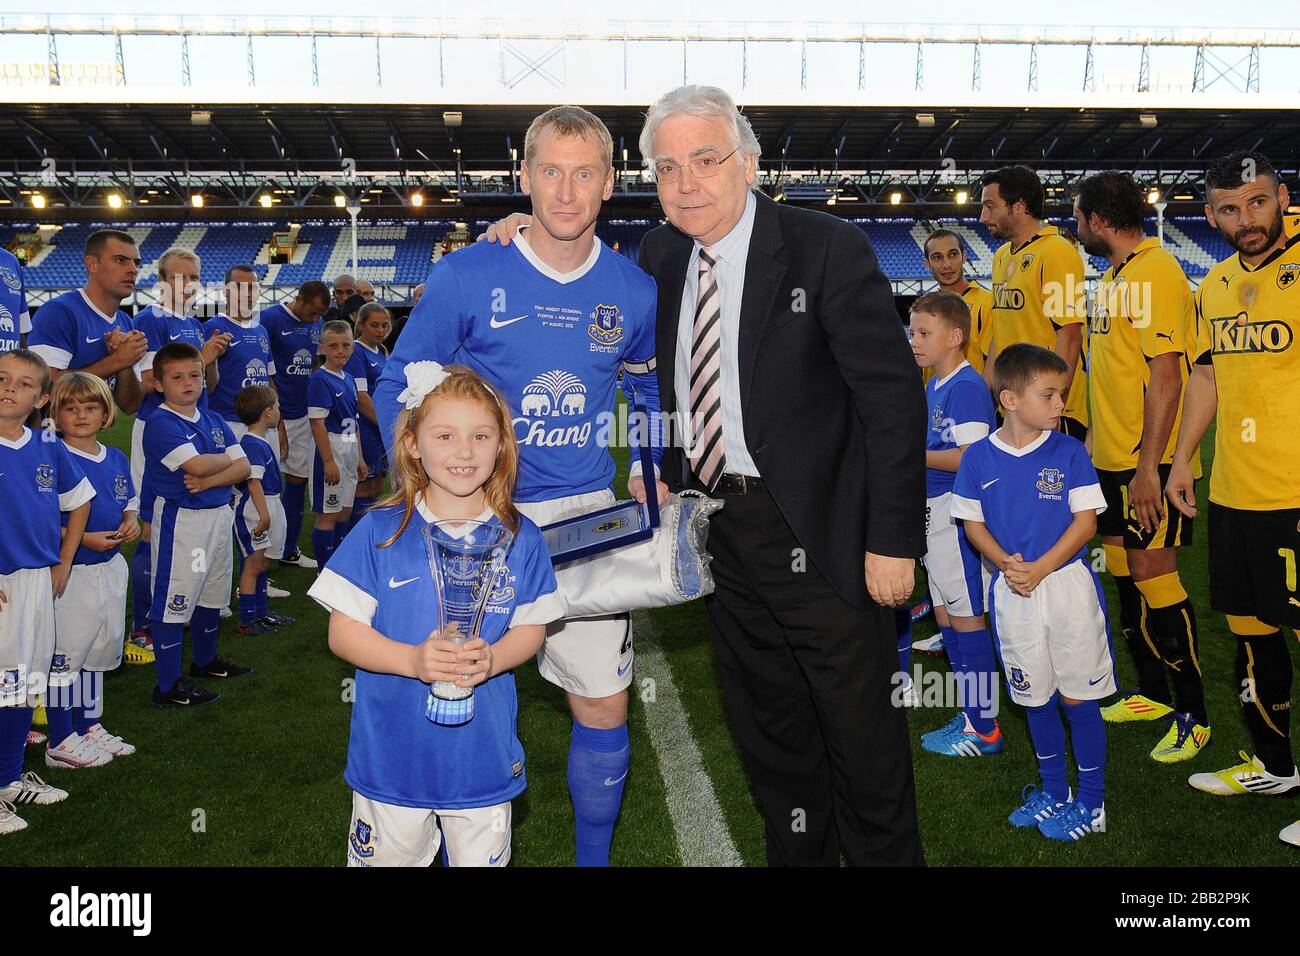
pixel 191 460
pixel 961 413
pixel 337 465
pixel 259 513
pixel 1029 498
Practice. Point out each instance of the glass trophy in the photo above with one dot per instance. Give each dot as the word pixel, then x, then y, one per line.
pixel 464 559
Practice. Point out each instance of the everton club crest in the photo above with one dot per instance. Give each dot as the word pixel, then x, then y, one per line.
pixel 607 325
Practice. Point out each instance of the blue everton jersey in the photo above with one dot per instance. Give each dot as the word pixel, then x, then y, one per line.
pixel 69 332
pixel 265 465
pixel 109 473
pixel 333 397
pixel 396 755
pixel 1027 496
pixel 294 346
pixel 170 439
pixel 247 362
pixel 552 344
pixel 961 413
pixel 161 327
pixel 38 480
pixel 14 319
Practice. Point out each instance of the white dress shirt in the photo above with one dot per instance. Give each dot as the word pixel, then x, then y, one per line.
pixel 732 251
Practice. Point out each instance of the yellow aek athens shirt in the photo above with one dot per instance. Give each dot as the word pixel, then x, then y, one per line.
pixel 1038 288
pixel 1247 323
pixel 1143 309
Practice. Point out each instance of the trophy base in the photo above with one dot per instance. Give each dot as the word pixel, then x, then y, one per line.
pixel 449 713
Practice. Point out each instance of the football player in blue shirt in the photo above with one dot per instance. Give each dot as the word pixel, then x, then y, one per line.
pixel 294 331
pixel 374 324
pixel 85 330
pixel 191 462
pixel 15 320
pixel 248 360
pixel 1029 498
pixel 167 320
pixel 90 617
pixel 38 480
pixel 961 413
pixel 551 321
pixel 418 784
pixel 337 466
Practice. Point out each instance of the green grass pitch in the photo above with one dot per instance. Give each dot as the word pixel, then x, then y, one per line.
pixel 256 779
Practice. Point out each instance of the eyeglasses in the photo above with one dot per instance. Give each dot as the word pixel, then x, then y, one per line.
pixel 701 167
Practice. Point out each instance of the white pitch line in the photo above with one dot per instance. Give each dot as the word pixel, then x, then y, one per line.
pixel 702 835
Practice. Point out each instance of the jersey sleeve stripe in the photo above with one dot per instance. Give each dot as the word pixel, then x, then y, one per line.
pixel 968 508
pixel 54 357
pixel 77 496
pixel 547 608
pixel 334 592
pixel 179 455
pixel 968 433
pixel 1087 498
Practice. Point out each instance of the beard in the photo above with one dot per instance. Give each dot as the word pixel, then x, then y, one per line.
pixel 1095 245
pixel 1254 241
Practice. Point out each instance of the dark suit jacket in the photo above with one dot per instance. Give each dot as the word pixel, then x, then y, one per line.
pixel 834 411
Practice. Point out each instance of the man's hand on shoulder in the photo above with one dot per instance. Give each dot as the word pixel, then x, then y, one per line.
pixel 890 581
pixel 503 230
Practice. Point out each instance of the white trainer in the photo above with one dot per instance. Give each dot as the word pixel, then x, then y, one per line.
pixel 298 560
pixel 10 822
pixel 76 752
pixel 1291 834
pixel 30 788
pixel 1249 776
pixel 111 743
pixel 273 592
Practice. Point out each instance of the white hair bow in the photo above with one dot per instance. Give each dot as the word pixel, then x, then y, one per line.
pixel 421 379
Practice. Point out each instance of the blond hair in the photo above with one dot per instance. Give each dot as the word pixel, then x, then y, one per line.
pixel 409 476
pixel 81 387
pixel 569 121
pixel 176 252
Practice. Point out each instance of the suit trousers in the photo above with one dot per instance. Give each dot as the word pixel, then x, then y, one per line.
pixel 807 681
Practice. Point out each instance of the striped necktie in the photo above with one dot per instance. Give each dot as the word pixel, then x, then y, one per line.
pixel 708 458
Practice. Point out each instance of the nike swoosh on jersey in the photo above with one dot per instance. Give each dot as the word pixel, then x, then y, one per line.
pixel 989 483
pixel 288 331
pixel 394 583
pixel 93 341
pixel 338 394
pixel 610 783
pixel 501 325
pixel 191 435
pixel 175 337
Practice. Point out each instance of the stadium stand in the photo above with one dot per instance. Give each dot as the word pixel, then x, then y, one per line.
pixel 400 252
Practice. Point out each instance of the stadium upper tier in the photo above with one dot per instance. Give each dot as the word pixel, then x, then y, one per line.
pixel 401 253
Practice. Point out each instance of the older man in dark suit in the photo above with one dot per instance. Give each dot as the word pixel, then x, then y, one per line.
pixel 779 343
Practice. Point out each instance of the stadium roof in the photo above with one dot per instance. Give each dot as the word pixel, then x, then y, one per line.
pixel 871 145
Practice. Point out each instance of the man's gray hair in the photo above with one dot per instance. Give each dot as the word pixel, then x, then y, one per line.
pixel 707 101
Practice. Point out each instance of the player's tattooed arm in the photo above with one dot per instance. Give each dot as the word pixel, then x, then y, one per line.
pixel 1200 403
pixel 1145 495
pixel 1069 343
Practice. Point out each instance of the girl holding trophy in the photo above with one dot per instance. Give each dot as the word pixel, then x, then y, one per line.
pixel 439 769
